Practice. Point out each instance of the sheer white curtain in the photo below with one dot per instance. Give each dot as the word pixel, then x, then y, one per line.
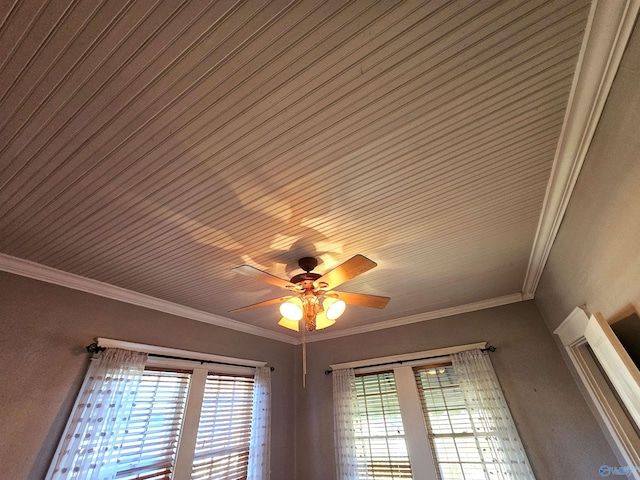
pixel 260 444
pixel 345 420
pixel 493 425
pixel 98 422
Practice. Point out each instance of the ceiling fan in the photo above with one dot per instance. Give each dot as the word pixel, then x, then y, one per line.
pixel 312 296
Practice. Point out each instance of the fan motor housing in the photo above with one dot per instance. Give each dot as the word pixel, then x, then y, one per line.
pixel 301 278
pixel 305 280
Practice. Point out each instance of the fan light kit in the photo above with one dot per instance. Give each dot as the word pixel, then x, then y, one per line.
pixel 312 298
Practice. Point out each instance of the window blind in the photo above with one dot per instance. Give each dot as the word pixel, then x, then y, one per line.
pixel 380 435
pixel 170 418
pixel 150 441
pixel 222 442
pixel 457 453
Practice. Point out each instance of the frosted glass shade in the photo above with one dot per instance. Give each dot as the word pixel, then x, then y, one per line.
pixel 334 307
pixel 292 309
pixel 322 321
pixel 290 324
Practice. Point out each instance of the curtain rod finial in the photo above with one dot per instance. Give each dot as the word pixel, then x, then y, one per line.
pixel 94 348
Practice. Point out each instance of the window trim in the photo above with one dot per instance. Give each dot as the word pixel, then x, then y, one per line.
pixel 416 358
pixel 186 447
pixel 174 352
pixel 579 329
pixel 177 364
pixel 423 464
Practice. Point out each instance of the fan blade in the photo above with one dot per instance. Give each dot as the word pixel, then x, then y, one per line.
pixel 253 272
pixel 361 299
pixel 290 324
pixel 353 267
pixel 266 303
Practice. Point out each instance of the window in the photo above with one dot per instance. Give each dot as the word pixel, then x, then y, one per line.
pixel 162 419
pixel 457 452
pixel 425 422
pixel 456 455
pixel 381 434
pixel 224 431
pixel 156 426
pixel 149 445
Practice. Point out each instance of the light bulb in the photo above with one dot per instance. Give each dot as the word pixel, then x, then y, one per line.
pixel 292 309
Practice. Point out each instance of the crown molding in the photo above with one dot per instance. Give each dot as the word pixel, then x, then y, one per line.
pixel 37 271
pixel 420 317
pixel 606 36
pixel 43 273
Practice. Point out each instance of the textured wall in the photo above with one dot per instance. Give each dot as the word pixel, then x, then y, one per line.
pixel 595 259
pixel 44 329
pixel 559 432
pixel 42 363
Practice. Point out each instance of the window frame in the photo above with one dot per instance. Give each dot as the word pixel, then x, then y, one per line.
pixel 157 377
pixel 366 440
pixel 576 332
pixel 200 365
pixel 453 435
pixel 423 463
pixel 185 450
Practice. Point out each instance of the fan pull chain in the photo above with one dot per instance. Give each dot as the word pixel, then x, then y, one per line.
pixel 304 358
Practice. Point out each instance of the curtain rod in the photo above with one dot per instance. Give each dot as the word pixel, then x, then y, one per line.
pixel 490 348
pixel 95 348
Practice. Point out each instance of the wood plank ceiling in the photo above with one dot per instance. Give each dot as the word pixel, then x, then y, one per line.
pixel 154 145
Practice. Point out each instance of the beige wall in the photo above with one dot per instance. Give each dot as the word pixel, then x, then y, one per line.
pixel 42 363
pixel 595 259
pixel 560 434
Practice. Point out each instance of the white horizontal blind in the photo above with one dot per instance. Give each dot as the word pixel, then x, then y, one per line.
pixel 154 427
pixel 381 433
pixel 224 432
pixel 457 453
